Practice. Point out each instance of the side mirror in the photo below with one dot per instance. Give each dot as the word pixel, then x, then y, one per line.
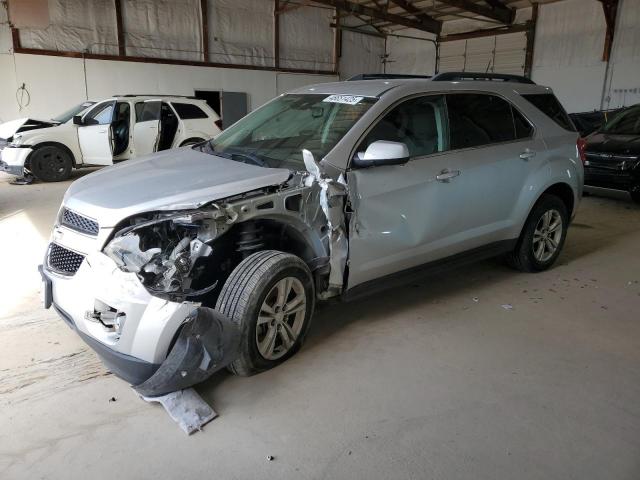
pixel 382 152
pixel 77 120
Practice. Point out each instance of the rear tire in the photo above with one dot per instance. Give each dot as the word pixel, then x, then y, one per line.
pixel 542 236
pixel 270 295
pixel 635 194
pixel 50 164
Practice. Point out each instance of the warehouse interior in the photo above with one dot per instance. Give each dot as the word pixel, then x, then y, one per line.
pixel 473 371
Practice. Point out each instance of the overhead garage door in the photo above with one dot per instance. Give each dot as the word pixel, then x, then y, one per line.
pixel 498 54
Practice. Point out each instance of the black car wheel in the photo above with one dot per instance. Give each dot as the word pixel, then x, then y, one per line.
pixel 50 164
pixel 635 193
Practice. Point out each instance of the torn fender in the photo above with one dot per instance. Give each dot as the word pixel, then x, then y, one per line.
pixel 208 342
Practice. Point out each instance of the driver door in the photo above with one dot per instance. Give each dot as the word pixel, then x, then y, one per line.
pixel 95 134
pixel 146 132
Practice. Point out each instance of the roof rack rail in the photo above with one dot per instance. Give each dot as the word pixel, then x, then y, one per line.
pixel 385 76
pixel 503 77
pixel 154 95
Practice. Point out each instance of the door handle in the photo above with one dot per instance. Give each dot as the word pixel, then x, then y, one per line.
pixel 446 175
pixel 527 154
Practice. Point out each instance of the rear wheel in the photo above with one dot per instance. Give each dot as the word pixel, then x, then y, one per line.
pixel 270 296
pixel 542 237
pixel 50 164
pixel 635 193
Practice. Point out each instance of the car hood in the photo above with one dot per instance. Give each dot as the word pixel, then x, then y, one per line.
pixel 614 144
pixel 171 180
pixel 9 129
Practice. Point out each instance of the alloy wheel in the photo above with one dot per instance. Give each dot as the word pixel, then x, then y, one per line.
pixel 547 235
pixel 281 318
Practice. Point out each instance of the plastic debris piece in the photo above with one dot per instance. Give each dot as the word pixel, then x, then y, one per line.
pixel 476 299
pixel 187 409
pixel 507 306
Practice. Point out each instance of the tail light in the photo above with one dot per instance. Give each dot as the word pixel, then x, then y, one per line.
pixel 581 145
pixel 218 124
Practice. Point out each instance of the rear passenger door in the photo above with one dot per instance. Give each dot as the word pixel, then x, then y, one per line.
pixel 493 146
pixel 147 127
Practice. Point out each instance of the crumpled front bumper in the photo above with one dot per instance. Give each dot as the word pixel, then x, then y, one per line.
pixel 16 170
pixel 12 160
pixel 161 346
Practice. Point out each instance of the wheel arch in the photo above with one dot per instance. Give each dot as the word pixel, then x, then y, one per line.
pixel 49 143
pixel 191 140
pixel 564 192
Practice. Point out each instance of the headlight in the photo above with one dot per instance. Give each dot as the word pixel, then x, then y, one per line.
pixel 17 141
pixel 164 251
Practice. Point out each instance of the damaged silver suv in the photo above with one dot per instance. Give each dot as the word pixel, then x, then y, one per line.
pixel 187 261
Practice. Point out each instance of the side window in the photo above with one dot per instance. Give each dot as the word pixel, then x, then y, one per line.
pixel 147 111
pixel 101 114
pixel 477 119
pixel 522 125
pixel 122 112
pixel 548 104
pixel 188 111
pixel 418 123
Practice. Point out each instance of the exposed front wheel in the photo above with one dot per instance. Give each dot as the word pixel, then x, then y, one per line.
pixel 271 296
pixel 542 237
pixel 50 164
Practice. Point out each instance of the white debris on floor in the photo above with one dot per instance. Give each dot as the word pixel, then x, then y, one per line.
pixel 187 408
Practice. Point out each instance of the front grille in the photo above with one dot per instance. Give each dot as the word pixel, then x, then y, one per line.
pixel 63 260
pixel 79 222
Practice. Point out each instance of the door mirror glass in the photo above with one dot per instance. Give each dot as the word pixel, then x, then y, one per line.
pixel 382 152
pixel 77 120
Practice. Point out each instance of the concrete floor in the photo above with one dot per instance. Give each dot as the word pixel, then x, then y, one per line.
pixel 434 380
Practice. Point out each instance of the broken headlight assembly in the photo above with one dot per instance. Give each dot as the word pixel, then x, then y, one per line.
pixel 165 251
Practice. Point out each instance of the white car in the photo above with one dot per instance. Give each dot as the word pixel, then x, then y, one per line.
pixel 115 129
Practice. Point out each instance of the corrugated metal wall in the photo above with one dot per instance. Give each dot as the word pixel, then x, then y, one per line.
pixel 497 54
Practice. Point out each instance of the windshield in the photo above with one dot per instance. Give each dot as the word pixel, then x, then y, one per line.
pixel 626 122
pixel 69 114
pixel 275 134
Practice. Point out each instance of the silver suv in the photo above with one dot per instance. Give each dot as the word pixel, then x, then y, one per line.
pixel 214 255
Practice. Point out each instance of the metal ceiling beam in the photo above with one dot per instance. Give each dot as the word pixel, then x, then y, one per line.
pixel 426 24
pixel 502 13
pixel 487 32
pixel 407 6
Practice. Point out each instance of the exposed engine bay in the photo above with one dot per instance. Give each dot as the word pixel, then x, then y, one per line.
pixel 188 254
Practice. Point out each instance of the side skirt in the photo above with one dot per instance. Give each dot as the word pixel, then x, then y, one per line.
pixel 429 269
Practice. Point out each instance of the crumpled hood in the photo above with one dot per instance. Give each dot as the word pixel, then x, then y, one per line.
pixel 9 129
pixel 169 180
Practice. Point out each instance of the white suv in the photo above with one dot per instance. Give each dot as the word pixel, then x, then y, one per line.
pixel 115 129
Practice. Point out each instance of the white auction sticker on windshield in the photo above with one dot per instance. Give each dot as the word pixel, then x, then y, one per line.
pixel 348 99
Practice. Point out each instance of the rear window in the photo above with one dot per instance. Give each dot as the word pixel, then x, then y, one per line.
pixel 548 104
pixel 188 111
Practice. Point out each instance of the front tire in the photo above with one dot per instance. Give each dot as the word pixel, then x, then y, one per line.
pixel 270 295
pixel 542 237
pixel 50 164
